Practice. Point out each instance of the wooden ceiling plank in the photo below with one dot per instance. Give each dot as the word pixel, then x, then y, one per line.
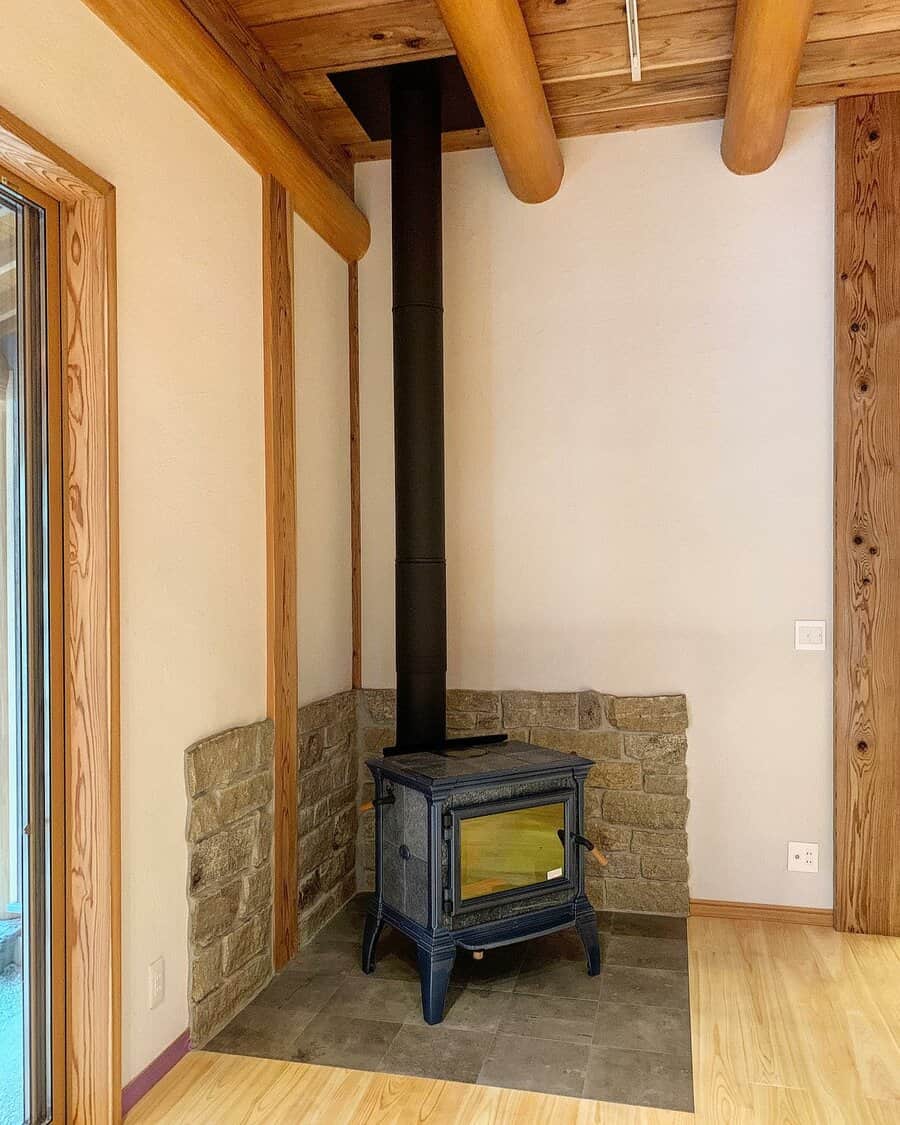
pixel 592 95
pixel 666 41
pixel 495 51
pixel 769 39
pixel 859 56
pixel 839 19
pixel 219 19
pixel 408 29
pixel 171 41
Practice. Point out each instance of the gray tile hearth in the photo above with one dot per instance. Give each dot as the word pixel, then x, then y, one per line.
pixel 526 1017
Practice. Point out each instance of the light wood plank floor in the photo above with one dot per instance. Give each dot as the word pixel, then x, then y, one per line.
pixel 792 1025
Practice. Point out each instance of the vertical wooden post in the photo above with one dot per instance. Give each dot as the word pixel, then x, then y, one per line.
pixel 867 516
pixel 355 531
pixel 281 552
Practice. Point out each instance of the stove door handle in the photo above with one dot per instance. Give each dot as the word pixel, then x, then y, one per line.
pixel 590 847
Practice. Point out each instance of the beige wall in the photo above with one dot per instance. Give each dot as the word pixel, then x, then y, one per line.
pixel 323 468
pixel 191 453
pixel 639 397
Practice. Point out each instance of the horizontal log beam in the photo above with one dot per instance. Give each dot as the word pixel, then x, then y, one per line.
pixel 769 37
pixel 495 51
pixel 171 41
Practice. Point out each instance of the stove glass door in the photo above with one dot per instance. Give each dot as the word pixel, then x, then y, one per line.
pixel 506 851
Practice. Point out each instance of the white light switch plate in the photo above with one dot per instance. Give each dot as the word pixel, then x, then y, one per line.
pixel 809 636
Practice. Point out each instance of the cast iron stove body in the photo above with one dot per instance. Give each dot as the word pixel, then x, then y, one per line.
pixel 450 833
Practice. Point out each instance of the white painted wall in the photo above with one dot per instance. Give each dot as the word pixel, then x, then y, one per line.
pixel 191 448
pixel 324 611
pixel 639 481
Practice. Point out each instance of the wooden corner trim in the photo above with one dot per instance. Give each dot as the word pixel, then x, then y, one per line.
pixel 761 912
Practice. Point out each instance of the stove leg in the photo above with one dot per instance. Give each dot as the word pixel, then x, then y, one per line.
pixel 587 931
pixel 435 967
pixel 371 934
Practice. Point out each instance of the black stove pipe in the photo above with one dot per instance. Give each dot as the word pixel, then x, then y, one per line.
pixel 421 577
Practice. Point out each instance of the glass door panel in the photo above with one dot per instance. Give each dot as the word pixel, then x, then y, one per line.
pixel 24 672
pixel 505 851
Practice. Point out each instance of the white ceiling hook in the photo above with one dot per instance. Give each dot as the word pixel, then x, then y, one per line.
pixel 634 39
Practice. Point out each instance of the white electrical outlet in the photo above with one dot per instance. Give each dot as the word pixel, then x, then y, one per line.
pixel 803 857
pixel 157 982
pixel 809 636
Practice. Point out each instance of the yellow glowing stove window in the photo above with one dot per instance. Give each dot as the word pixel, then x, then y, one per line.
pixel 507 850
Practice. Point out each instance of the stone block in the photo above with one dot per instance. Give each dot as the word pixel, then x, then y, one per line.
pixel 518 734
pixel 306 820
pixel 615 775
pixel 315 716
pixel 664 843
pixel 477 702
pixel 339 734
pixel 644 810
pixel 381 704
pixel 313 919
pixel 225 855
pixel 344 831
pixel 662 714
pixel 540 709
pixel 672 781
pixel 608 837
pixel 322 781
pixel 598 745
pixel 265 832
pixel 216 1010
pixel 595 889
pixel 593 710
pixel 206 970
pixel 310 748
pixel 620 865
pixel 248 940
pixel 647 897
pixel 670 868
pixel 657 749
pixel 214 914
pixel 256 890
pixel 315 847
pixel 218 808
pixel 337 867
pixel 225 757
pixel 374 740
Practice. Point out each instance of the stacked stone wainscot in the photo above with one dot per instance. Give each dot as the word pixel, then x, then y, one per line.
pixel 229 784
pixel 327 809
pixel 636 802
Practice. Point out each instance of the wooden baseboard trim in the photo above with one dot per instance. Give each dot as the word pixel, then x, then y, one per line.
pixel 159 1068
pixel 761 912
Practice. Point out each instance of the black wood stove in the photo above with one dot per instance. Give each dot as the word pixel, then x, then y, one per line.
pixel 479 841
pixel 478 848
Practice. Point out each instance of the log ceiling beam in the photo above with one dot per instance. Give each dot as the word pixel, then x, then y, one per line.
pixel 221 21
pixel 769 37
pixel 496 54
pixel 181 51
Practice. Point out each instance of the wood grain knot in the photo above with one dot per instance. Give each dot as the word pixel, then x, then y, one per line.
pixel 862 747
pixel 874 135
pixel 854 327
pixel 857 539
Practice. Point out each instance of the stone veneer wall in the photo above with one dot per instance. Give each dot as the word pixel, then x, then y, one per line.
pixel 229 784
pixel 636 794
pixel 327 814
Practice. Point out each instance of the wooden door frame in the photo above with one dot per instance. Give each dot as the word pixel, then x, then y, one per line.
pixel 90 603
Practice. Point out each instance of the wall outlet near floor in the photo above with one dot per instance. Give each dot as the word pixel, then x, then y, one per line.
pixel 809 636
pixel 157 982
pixel 803 857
